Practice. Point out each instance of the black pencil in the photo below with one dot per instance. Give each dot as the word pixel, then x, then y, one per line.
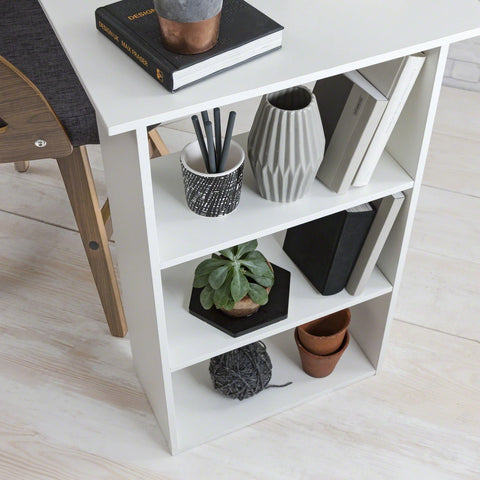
pixel 201 141
pixel 218 136
pixel 211 148
pixel 227 141
pixel 205 117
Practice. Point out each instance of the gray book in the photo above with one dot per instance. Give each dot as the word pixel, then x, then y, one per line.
pixel 351 108
pixel 387 211
pixel 395 79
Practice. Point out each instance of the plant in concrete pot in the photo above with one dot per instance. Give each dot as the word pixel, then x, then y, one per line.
pixel 237 281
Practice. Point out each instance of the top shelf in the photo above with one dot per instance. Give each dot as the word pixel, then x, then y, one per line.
pixel 184 235
pixel 321 38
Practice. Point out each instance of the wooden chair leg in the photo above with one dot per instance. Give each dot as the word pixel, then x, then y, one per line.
pixel 22 166
pixel 107 219
pixel 156 144
pixel 77 176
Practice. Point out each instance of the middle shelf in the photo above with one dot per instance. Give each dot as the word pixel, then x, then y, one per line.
pixel 183 235
pixel 191 340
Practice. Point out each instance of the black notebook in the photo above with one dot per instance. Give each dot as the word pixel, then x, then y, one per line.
pixel 325 250
pixel 132 25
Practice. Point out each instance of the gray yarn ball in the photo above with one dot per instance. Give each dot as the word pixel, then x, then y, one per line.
pixel 243 372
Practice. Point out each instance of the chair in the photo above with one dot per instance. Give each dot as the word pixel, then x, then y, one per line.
pixel 45 113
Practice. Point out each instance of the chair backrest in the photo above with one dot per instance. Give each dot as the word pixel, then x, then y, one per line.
pixel 29 128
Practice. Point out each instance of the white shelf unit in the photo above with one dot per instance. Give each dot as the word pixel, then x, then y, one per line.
pixel 196 412
pixel 157 236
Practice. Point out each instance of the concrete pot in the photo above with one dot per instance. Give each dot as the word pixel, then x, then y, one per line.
pixel 286 144
pixel 320 366
pixel 189 26
pixel 325 335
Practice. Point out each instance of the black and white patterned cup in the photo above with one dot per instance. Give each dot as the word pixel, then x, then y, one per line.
pixel 212 194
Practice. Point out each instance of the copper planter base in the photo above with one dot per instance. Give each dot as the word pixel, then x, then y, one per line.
pixel 189 38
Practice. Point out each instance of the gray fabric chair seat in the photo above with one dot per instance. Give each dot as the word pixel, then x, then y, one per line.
pixel 29 43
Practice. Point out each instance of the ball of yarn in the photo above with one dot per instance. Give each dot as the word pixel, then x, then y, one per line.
pixel 243 372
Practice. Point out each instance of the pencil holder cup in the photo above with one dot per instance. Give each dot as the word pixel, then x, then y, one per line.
pixel 212 194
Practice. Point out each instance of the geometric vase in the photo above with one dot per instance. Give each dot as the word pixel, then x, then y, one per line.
pixel 286 144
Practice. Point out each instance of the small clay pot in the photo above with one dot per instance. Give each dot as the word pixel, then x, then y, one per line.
pixel 320 366
pixel 325 335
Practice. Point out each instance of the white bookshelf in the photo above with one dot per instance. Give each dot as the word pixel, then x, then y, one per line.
pixel 159 241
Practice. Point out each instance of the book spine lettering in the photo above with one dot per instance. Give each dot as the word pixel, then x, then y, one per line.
pixel 118 35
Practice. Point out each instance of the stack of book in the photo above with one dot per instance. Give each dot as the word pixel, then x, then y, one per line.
pixel 341 250
pixel 359 111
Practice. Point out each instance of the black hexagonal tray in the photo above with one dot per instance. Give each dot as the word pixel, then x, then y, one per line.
pixel 275 310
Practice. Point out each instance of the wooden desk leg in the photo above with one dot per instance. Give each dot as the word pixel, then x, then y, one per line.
pixel 77 176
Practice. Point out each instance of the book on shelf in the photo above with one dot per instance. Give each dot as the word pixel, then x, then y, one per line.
pixel 387 210
pixel 326 249
pixel 132 25
pixel 350 108
pixel 394 79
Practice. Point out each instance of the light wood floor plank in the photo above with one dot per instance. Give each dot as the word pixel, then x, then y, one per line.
pixel 457 113
pixel 453 164
pixel 446 223
pixel 442 293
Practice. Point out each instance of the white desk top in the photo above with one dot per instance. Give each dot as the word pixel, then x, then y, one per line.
pixel 321 38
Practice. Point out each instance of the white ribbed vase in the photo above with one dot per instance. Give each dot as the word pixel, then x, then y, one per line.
pixel 286 144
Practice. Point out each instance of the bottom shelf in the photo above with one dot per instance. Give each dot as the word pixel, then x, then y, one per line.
pixel 203 414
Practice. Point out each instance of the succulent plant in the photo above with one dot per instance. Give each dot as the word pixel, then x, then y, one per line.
pixel 227 278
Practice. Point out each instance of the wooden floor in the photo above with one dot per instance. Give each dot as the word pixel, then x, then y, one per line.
pixel 71 406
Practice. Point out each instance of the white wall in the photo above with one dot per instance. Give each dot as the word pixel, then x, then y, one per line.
pixel 463 65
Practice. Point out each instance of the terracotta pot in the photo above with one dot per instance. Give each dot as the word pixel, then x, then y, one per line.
pixel 320 366
pixel 325 335
pixel 246 306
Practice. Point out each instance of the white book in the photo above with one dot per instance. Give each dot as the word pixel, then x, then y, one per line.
pixel 387 211
pixel 351 108
pixel 395 79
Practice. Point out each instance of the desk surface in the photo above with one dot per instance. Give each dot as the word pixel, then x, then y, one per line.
pixel 321 38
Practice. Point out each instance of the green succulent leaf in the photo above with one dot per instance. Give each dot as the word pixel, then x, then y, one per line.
pixel 240 285
pixel 246 247
pixel 258 294
pixel 217 277
pixel 264 281
pixel 229 304
pixel 255 256
pixel 208 265
pixel 201 281
pixel 206 297
pixel 222 296
pixel 228 253
pixel 258 268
